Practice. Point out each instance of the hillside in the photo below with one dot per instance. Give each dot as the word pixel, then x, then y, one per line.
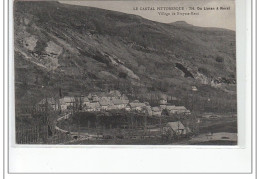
pixel 82 49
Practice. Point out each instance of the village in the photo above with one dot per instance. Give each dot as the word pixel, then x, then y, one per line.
pixel 112 117
pixel 112 100
pixel 109 115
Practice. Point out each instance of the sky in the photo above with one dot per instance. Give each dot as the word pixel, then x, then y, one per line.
pixel 206 18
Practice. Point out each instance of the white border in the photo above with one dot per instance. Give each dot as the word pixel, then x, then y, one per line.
pixel 147 159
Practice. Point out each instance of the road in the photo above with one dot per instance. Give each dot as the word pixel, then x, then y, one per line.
pixel 66 116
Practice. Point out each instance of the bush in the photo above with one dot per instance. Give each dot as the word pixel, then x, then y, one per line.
pixel 219 59
pixel 122 75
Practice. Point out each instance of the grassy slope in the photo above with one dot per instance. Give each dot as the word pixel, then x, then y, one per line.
pixel 90 37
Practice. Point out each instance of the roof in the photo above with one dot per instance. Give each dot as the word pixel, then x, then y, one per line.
pixel 170 107
pixel 105 98
pixel 156 109
pixel 117 101
pixel 135 101
pixel 104 102
pixel 120 101
pixel 125 101
pixel 85 99
pixel 176 125
pixel 93 105
pixel 173 98
pixel 112 107
pixel 68 99
pixel 176 108
pixel 99 94
pixel 135 105
pixel 180 108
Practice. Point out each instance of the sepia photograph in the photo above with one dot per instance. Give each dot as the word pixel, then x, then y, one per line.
pixel 125 72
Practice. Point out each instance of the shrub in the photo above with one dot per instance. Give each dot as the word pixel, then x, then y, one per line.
pixel 219 59
pixel 122 75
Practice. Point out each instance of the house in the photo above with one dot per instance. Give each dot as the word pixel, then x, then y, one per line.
pixel 176 128
pixel 172 98
pixel 93 106
pixel 163 106
pixel 69 100
pixel 63 105
pixel 170 108
pixel 105 103
pixel 177 110
pixel 85 101
pixel 112 107
pixel 107 98
pixel 136 105
pixel 66 102
pixel 119 103
pixel 156 111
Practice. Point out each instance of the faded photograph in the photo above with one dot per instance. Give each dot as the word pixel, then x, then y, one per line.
pixel 125 72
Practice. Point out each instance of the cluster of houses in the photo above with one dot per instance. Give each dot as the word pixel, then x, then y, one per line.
pixel 113 100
